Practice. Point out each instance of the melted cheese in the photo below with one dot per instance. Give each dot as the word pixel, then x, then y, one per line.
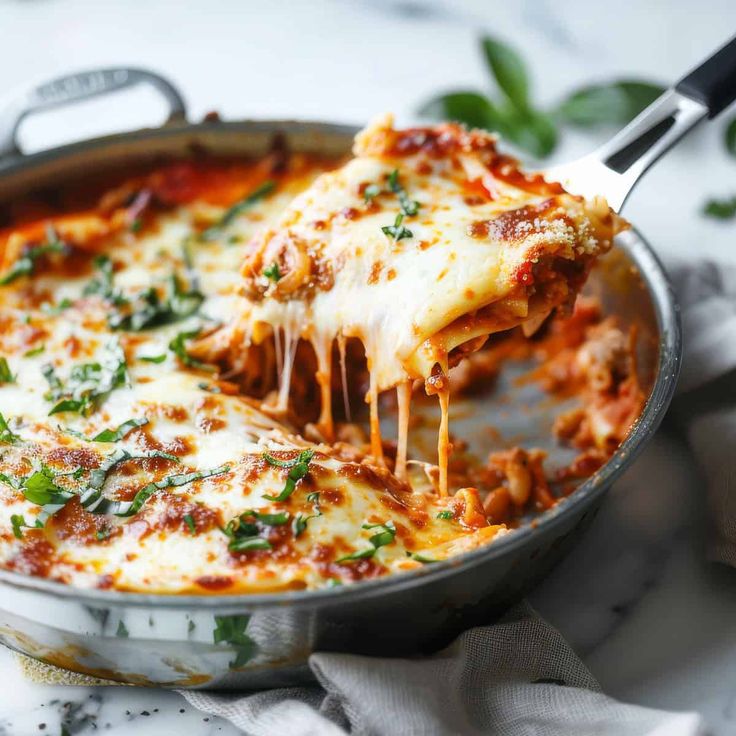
pixel 156 549
pixel 479 233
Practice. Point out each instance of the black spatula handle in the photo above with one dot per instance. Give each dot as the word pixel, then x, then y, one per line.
pixel 714 82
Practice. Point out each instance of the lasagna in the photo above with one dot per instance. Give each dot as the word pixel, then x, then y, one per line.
pixel 184 351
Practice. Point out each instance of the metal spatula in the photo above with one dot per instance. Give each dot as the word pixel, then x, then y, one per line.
pixel 613 170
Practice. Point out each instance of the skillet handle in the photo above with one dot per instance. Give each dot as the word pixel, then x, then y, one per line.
pixel 713 83
pixel 74 88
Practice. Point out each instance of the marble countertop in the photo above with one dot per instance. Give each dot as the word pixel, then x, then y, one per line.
pixel 636 599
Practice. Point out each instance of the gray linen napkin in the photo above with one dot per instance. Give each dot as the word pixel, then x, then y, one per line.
pixel 706 403
pixel 518 677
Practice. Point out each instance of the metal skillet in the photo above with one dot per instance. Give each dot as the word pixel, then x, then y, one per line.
pixel 257 641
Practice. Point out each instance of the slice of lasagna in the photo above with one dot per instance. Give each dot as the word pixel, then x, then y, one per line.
pixel 423 245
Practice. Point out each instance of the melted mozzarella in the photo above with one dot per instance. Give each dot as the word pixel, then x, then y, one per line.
pixel 155 549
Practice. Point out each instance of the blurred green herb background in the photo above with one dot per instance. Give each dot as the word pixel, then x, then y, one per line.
pixel 510 110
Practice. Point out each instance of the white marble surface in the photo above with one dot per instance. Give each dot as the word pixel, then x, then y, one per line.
pixel 636 599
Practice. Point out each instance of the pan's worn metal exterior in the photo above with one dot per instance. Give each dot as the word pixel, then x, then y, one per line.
pixel 265 640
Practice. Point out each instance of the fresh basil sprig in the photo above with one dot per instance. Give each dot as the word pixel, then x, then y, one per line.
pixel 513 114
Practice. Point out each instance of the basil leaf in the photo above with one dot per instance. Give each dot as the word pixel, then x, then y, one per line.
pixel 730 137
pixel 509 71
pixel 248 544
pixel 26 264
pixel 34 351
pixel 268 519
pixel 721 209
pixel 17 521
pixel 189 519
pixel 129 508
pixel 153 358
pixel 446 514
pixel 6 435
pixel 397 231
pixel 115 435
pixel 88 384
pixel 300 520
pixel 39 488
pixel 421 558
pixel 212 232
pixel 178 347
pixel 533 131
pixel 385 535
pixel 370 192
pixel 6 375
pixel 614 103
pixel 298 469
pixel 231 629
pixel 272 272
pixel 409 206
pixel 470 108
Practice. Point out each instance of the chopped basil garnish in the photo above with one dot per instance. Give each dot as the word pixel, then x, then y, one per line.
pixel 248 544
pixel 101 284
pixel 397 231
pixel 273 272
pixel 51 309
pixel 6 375
pixel 214 231
pixel 298 468
pixel 41 486
pixel 153 358
pixel 6 435
pixel 300 520
pixel 446 514
pixel 421 558
pixel 26 264
pixel 231 629
pixel 147 309
pixel 34 351
pixel 189 520
pixel 244 530
pixel 102 534
pixel 408 206
pixel 209 387
pixel 385 535
pixel 371 192
pixel 136 225
pixel 115 435
pixel 129 508
pixel 17 521
pixel 88 384
pixel 178 347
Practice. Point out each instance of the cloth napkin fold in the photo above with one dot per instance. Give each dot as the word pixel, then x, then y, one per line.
pixel 519 677
pixel 513 678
